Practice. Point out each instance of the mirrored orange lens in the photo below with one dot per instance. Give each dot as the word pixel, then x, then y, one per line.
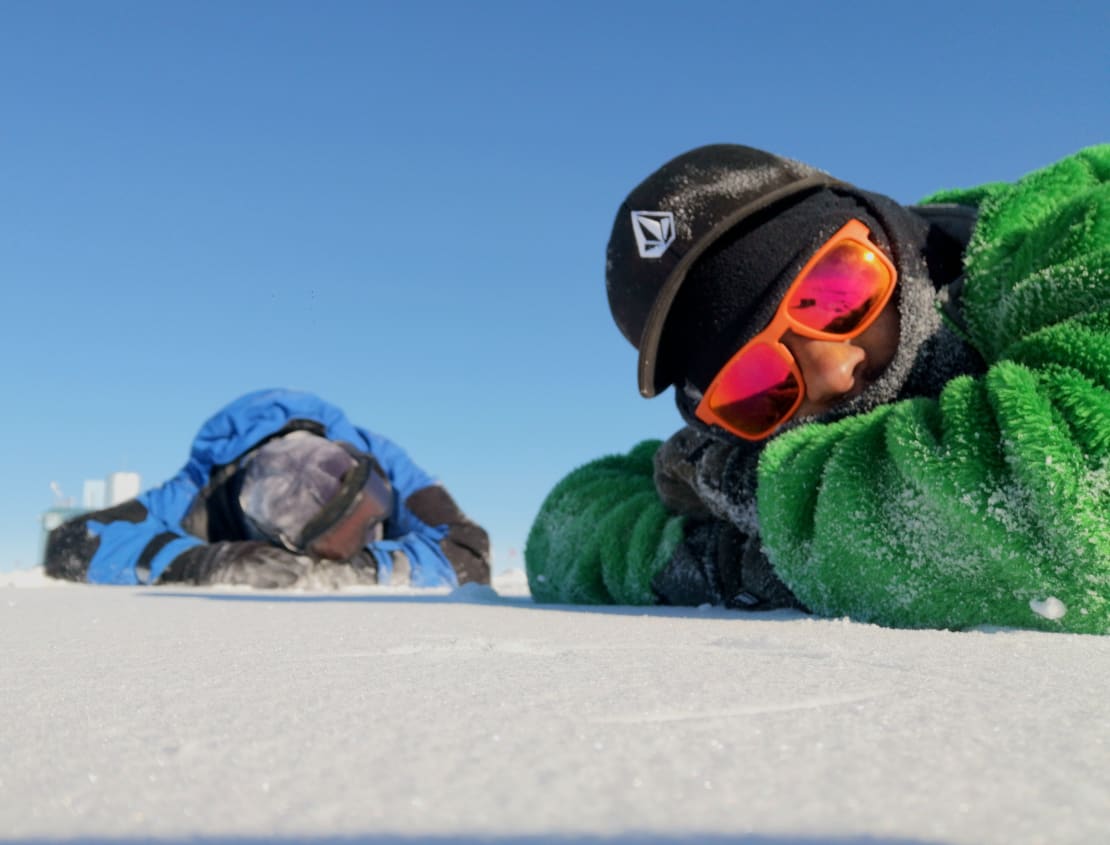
pixel 842 290
pixel 756 391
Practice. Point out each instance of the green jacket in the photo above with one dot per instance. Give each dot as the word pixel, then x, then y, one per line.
pixel 989 505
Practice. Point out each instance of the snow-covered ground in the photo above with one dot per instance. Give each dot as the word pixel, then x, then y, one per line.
pixel 388 716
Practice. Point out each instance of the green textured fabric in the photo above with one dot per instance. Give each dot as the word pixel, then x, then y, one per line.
pixel 991 504
pixel 987 506
pixel 602 534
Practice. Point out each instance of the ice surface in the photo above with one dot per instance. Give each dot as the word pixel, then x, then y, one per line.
pixel 472 715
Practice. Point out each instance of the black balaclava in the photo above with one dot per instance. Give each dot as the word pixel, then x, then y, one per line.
pixel 733 290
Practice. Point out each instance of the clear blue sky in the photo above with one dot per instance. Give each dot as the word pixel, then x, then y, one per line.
pixel 404 206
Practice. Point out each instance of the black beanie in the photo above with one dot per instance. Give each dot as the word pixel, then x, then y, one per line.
pixel 667 223
pixel 733 290
pixel 702 251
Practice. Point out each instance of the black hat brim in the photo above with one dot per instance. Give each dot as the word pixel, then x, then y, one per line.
pixel 652 380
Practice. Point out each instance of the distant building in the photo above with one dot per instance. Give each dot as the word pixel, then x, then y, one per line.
pixel 122 486
pixel 95 494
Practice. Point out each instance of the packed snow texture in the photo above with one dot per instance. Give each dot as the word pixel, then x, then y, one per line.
pixel 396 716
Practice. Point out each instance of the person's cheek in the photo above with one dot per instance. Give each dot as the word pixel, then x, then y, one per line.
pixel 880 341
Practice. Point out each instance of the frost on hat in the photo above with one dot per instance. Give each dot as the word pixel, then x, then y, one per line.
pixel 734 289
pixel 288 481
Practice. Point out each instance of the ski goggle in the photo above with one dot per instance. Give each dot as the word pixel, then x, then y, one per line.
pixel 836 296
pixel 344 525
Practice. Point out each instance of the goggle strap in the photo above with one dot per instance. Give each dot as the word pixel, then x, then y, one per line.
pixel 366 469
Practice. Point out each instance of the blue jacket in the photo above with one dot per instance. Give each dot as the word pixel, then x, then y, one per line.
pixel 123 554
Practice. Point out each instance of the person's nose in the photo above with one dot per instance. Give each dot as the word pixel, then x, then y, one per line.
pixel 829 368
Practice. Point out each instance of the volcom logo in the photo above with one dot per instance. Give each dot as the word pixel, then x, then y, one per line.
pixel 654 232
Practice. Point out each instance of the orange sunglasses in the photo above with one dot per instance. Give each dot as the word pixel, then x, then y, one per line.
pixel 836 296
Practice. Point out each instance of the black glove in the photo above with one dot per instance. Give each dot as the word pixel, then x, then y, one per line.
pixel 699 476
pixel 259 564
pixel 717 564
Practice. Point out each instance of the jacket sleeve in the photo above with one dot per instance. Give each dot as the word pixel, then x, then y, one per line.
pixel 429 541
pixel 990 504
pixel 124 544
pixel 602 534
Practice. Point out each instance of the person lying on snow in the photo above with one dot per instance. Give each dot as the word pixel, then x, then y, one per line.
pixel 280 490
pixel 896 414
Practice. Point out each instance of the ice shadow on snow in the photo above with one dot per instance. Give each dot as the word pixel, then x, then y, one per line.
pixel 465 597
pixel 635 838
